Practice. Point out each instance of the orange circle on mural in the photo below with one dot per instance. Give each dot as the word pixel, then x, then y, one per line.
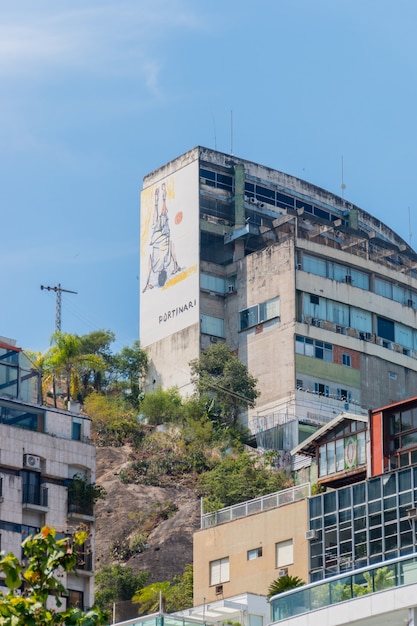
pixel 178 217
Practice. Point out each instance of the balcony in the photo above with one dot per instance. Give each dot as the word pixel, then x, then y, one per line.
pixel 258 505
pixel 35 497
pixel 84 559
pixel 388 575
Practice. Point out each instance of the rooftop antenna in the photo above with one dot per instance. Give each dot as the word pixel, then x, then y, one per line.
pixel 410 234
pixel 231 132
pixel 215 134
pixel 58 290
pixel 342 186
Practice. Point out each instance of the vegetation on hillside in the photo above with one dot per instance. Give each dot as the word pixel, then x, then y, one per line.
pixel 219 373
pixel 195 441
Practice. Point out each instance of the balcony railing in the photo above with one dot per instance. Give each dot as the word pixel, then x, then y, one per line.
pixel 85 560
pixel 318 595
pixel 35 494
pixel 258 505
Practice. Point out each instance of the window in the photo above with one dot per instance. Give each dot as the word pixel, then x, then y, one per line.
pixel 313 347
pixel 75 599
pixel 259 313
pixel 212 325
pixel 322 390
pixel 256 553
pixel 212 283
pixel 385 329
pixel 284 553
pixel 76 430
pixel 346 360
pixel 219 571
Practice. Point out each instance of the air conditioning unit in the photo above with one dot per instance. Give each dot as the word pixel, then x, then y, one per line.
pixel 283 572
pixel 311 534
pixel 253 200
pixel 348 279
pixel 231 288
pixel 261 205
pixel 31 461
pixel 213 339
pixel 316 322
pixel 412 513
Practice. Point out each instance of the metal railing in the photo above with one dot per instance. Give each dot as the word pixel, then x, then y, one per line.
pixel 258 505
pixel 318 595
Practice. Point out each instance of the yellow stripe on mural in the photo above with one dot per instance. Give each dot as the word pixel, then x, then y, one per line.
pixel 177 278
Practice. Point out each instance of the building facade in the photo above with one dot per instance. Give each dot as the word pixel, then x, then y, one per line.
pixel 244 548
pixel 316 296
pixel 47 463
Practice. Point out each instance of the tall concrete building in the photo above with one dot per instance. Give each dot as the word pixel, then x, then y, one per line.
pixel 316 296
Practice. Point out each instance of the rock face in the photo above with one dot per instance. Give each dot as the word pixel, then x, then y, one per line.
pixel 160 520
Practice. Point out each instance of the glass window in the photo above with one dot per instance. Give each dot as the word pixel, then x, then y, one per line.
pixel 219 571
pixel 268 310
pixel 212 325
pixel 340 455
pixel 385 328
pixel 383 288
pixel 346 360
pixel 256 553
pixel 212 283
pixel 284 553
pixel 314 265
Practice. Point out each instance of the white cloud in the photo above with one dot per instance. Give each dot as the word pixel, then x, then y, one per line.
pixel 108 38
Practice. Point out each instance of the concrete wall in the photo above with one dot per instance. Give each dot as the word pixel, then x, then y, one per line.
pixel 234 539
pixel 169 360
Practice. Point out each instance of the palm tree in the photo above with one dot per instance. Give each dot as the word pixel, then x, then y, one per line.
pixel 284 583
pixel 66 358
pixel 152 598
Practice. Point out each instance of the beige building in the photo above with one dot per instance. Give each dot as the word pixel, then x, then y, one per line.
pixel 317 296
pixel 44 453
pixel 238 551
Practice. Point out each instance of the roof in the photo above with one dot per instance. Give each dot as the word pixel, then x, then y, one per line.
pixel 307 446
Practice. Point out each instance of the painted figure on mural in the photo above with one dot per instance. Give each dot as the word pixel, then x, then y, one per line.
pixel 162 258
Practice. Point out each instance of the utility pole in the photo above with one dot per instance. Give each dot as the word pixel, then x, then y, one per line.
pixel 58 290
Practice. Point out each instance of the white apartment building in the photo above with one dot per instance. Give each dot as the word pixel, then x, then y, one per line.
pixel 42 449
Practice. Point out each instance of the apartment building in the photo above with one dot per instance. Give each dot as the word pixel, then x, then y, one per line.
pixel 47 463
pixel 316 296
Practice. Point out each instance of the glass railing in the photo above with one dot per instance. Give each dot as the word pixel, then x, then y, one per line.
pixel 386 575
pixel 258 505
pixel 159 619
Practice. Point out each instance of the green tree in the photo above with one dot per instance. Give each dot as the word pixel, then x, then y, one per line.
pixel 219 373
pixel 97 343
pixel 37 575
pixel 66 359
pixel 180 594
pixel 152 598
pixel 116 583
pixel 284 583
pixel 162 407
pixel 131 365
pixel 239 477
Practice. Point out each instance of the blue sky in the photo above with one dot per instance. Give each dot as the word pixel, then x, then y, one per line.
pixel 96 94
